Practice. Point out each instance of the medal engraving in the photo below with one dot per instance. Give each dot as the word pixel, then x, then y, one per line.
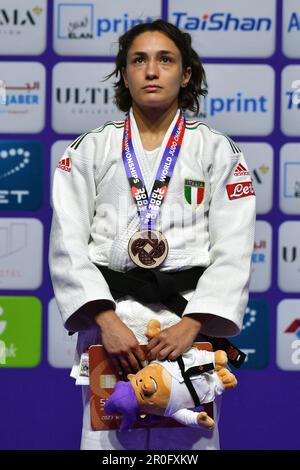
pixel 148 248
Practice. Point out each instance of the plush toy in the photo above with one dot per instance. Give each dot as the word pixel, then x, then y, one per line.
pixel 161 387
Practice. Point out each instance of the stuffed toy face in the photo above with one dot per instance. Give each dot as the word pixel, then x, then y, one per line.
pixel 152 387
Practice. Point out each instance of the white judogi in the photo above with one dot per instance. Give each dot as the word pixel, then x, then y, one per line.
pixel 94 216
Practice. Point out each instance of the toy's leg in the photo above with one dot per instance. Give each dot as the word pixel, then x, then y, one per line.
pixel 186 438
pixel 206 421
pixel 153 328
pixel 221 359
pixel 227 378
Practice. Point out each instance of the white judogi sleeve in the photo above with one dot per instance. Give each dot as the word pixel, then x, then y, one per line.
pixel 221 294
pixel 80 289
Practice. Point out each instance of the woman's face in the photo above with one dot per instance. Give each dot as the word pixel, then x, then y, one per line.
pixel 154 73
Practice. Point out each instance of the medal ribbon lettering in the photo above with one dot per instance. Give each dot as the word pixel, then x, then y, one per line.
pixel 148 207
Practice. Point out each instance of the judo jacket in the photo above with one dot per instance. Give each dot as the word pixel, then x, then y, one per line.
pixel 207 217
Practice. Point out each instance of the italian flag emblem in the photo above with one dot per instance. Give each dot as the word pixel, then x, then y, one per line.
pixel 194 192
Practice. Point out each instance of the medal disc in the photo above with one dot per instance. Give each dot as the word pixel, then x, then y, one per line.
pixel 148 248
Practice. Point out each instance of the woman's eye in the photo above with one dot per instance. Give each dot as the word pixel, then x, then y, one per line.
pixel 139 60
pixel 165 60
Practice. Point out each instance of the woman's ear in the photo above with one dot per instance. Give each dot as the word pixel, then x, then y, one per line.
pixel 124 75
pixel 186 75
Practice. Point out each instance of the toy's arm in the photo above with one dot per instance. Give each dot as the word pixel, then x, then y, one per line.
pixel 193 419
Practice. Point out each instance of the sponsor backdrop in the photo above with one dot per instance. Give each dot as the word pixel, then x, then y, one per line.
pixel 53 58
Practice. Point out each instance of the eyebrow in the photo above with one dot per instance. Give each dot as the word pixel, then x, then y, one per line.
pixel 158 52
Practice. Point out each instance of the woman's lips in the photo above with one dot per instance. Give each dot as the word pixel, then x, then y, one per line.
pixel 152 88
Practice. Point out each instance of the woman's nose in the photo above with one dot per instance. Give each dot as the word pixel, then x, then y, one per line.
pixel 152 69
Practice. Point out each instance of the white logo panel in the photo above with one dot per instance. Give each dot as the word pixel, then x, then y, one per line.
pixel 22 107
pixel 80 99
pixel 290 100
pixel 261 258
pixel 23 27
pixel 61 346
pixel 240 99
pixel 260 160
pixel 227 29
pixel 288 334
pixel 291 28
pixel 289 256
pixel 21 253
pixel 93 27
pixel 290 179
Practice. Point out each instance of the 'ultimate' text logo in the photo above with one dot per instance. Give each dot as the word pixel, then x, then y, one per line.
pixel 76 95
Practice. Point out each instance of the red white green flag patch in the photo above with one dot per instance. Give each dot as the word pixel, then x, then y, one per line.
pixel 194 192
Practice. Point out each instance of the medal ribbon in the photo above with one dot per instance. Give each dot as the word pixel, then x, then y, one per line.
pixel 148 207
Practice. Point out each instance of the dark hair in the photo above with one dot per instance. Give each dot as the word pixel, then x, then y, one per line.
pixel 188 96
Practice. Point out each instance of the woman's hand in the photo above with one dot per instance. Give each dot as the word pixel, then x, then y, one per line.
pixel 120 343
pixel 173 341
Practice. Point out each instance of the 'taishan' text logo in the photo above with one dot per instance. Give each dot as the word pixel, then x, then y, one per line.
pixel 221 21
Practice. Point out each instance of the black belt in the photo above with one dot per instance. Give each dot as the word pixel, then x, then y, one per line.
pixel 152 286
pixel 196 370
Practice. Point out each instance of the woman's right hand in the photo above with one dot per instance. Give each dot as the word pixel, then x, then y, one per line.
pixel 120 343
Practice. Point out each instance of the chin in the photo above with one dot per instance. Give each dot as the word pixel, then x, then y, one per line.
pixel 156 104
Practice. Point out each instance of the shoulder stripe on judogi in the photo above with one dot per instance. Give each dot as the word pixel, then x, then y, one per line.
pixel 77 142
pixel 191 125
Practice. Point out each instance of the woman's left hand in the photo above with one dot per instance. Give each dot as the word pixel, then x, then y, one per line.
pixel 173 341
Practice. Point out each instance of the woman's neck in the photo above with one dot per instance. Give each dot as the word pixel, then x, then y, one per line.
pixel 153 124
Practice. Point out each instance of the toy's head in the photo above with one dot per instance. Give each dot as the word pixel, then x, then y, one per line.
pixel 148 391
pixel 152 387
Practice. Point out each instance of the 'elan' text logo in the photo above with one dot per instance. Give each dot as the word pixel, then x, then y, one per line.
pixel 80 22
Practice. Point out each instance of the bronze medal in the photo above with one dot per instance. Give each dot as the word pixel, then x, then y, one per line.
pixel 148 248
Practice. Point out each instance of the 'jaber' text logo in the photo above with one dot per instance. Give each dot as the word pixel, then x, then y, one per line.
pixel 221 21
pixel 259 252
pixel 21 94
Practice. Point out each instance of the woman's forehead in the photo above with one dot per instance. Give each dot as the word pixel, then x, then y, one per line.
pixel 152 40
